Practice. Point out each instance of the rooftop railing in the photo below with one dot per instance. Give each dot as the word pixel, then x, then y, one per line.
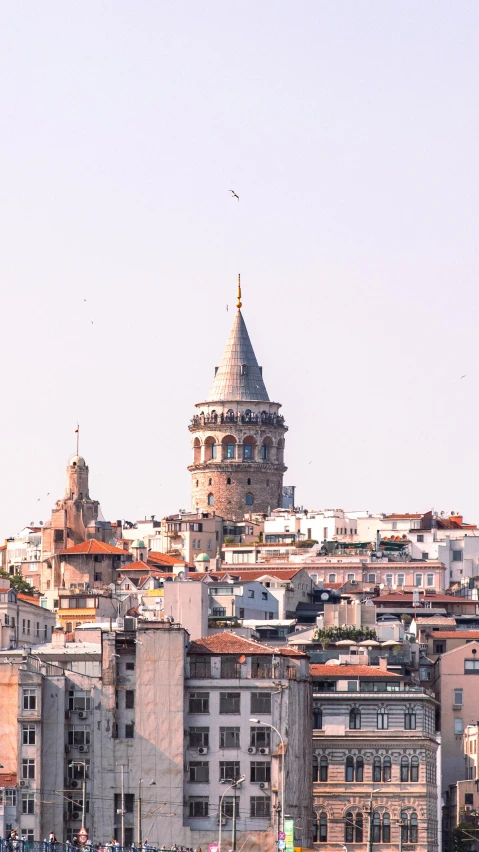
pixel 263 418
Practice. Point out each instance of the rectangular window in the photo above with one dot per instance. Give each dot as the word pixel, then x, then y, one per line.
pixel 199 702
pixel 28 734
pixel 418 580
pixel 228 803
pixel 260 737
pixel 457 555
pixel 261 703
pixel 260 806
pixel 129 667
pixel 429 580
pixel 409 721
pixel 230 451
pixel 214 451
pixel 371 578
pixel 382 720
pixel 10 798
pixel 129 699
pixel 229 770
pixel 331 578
pixel 230 702
pixel 28 768
pixel 200 666
pixel 199 737
pixel 424 673
pixel 230 667
pixel 198 805
pixel 458 726
pixel 438 647
pixel 351 577
pixel 79 735
pixel 420 537
pixel 200 771
pixel 251 593
pixel 28 803
pixel 264 596
pixel 28 835
pixel 471 666
pixel 29 699
pixel 400 579
pixel 389 580
pixel 79 700
pixel 260 771
pixel 129 799
pixel 229 738
pixel 219 612
pixel 458 697
pixel 129 731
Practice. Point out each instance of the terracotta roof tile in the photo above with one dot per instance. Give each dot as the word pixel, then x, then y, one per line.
pixel 8 779
pixel 28 599
pixel 348 672
pixel 455 634
pixel 164 558
pixel 423 621
pixel 231 643
pixel 94 547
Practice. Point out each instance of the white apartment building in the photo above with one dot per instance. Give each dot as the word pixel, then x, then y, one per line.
pixel 460 555
pixel 23 622
pixel 228 598
pixel 284 526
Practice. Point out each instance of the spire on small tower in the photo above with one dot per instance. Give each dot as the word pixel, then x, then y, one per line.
pixel 238 295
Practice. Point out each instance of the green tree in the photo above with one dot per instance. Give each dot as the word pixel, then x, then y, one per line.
pixel 18 583
pixel 463 837
pixel 334 634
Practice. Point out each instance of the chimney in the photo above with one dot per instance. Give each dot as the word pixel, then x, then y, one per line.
pixel 58 638
pixel 383 663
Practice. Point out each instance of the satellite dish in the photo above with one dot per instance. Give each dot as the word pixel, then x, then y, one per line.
pixel 325 596
pixel 381 585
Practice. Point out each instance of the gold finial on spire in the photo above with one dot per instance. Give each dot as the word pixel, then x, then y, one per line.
pixel 238 295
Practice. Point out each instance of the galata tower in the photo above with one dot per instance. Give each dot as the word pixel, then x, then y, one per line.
pixel 238 436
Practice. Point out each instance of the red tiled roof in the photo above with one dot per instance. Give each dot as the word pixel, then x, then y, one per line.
pixel 28 599
pixel 8 779
pixel 406 516
pixel 139 565
pixel 164 558
pixel 231 643
pixel 254 574
pixel 94 547
pixel 348 672
pixel 455 634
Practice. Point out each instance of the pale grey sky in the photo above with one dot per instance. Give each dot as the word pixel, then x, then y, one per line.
pixel 350 132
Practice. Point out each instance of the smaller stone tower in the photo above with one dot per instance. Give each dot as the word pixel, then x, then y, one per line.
pixel 238 436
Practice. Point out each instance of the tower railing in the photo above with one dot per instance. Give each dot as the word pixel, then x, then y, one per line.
pixel 263 418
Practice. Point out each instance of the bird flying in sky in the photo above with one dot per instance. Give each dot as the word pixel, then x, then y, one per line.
pixel 233 193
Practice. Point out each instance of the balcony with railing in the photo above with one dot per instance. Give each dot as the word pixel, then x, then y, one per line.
pixel 262 418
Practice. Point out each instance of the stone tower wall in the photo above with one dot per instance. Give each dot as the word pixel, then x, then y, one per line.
pixel 265 484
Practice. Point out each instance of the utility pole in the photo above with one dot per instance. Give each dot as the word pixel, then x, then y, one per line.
pixel 233 834
pixel 139 813
pixel 122 805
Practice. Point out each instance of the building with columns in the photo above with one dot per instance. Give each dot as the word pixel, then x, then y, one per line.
pixel 238 436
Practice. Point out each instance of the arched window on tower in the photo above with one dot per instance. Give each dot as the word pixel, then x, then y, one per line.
pixel 211 500
pixel 249 500
pixel 248 448
pixel 228 480
pixel 210 481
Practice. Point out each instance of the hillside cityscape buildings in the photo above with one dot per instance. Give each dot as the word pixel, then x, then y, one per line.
pixel 246 674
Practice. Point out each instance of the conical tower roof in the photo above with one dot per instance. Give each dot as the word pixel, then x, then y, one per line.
pixel 238 375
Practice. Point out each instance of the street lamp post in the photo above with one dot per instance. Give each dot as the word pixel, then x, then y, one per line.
pixel 370 832
pixel 140 834
pixel 269 725
pixel 233 785
pixel 83 790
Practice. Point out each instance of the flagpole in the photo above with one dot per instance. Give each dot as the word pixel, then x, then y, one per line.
pixel 78 439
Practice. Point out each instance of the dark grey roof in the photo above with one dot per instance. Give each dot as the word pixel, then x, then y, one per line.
pixel 238 376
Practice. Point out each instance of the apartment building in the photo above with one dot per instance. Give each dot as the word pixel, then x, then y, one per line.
pixel 375 760
pixel 23 622
pixel 241 600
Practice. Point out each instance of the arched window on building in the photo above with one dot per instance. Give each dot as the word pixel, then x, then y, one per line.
pixel 315 768
pixel 404 825
pixel 377 828
pixel 414 776
pixel 323 769
pixel 349 776
pixel 413 828
pixel 211 500
pixel 376 770
pixel 359 769
pixel 349 828
pixel 386 828
pixel 359 828
pixel 387 768
pixel 404 768
pixel 315 828
pixel 323 828
pixel 354 719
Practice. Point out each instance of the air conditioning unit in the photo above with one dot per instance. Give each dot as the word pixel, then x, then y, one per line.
pixel 75 815
pixel 264 751
pixel 251 750
pixel 466 807
pixel 354 582
pixel 83 748
pixel 81 714
pixel 24 783
pixel 221 820
pixel 74 783
pixel 203 750
pixel 264 786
